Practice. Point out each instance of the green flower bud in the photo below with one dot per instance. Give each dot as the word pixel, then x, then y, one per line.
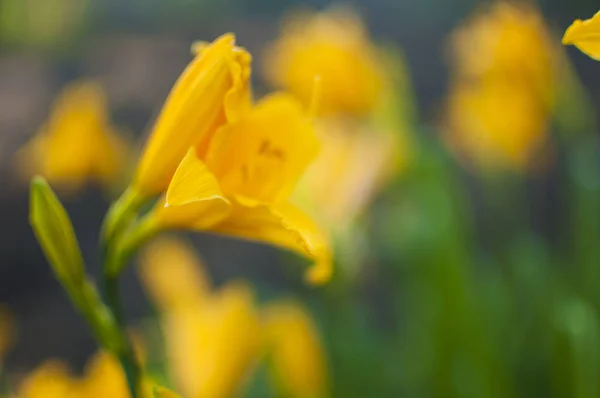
pixel 55 234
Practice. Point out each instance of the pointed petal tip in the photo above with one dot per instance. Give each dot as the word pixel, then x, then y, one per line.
pixel 568 36
pixel 320 273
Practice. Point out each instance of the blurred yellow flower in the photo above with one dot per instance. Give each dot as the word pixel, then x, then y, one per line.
pixel 212 342
pixel 364 103
pixel 503 87
pixel 334 46
pixel 294 347
pixel 356 160
pixel 49 380
pixel 489 137
pixel 103 377
pixel 77 143
pixel 238 184
pixel 173 274
pixel 585 35
pixel 213 90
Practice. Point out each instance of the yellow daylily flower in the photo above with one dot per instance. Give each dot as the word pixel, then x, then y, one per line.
pixel 297 358
pixel 356 160
pixel 213 90
pixel 52 379
pixel 103 377
pixel 173 274
pixel 212 342
pixel 364 104
pixel 239 184
pixel 77 143
pixel 488 138
pixel 585 35
pixel 334 46
pixel 503 59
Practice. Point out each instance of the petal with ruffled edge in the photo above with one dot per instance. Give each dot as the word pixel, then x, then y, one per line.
pixel 194 198
pixel 204 97
pixel 585 35
pixel 282 225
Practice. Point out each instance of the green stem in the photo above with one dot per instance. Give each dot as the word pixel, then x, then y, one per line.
pixel 107 331
pixel 117 244
pixel 126 352
pixel 127 243
pixel 120 214
pixel 123 245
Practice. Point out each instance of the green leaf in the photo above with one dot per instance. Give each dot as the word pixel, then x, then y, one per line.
pixel 55 234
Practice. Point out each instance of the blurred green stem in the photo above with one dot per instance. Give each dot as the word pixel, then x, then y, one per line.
pixel 126 353
pixel 126 243
pixel 119 215
pixel 119 241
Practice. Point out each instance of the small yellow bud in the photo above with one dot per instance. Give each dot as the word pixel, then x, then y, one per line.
pixel 55 234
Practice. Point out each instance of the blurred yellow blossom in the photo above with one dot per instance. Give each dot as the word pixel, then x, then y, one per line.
pixel 334 46
pixel 585 35
pixel 173 274
pixel 103 377
pixel 214 340
pixel 293 343
pixel 503 86
pixel 238 184
pixel 213 90
pixel 52 379
pixel 77 143
pixel 364 108
pixel 355 161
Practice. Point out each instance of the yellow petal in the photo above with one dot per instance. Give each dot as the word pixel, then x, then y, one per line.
pixel 282 225
pixel 354 163
pixel 78 143
pixel 209 92
pixel 173 274
pixel 103 377
pixel 334 46
pixel 585 35
pixel 194 197
pixel 263 155
pixel 49 380
pixel 297 358
pixel 213 348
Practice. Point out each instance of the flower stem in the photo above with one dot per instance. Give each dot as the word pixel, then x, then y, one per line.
pixel 126 352
pixel 119 215
pixel 127 243
pixel 118 242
